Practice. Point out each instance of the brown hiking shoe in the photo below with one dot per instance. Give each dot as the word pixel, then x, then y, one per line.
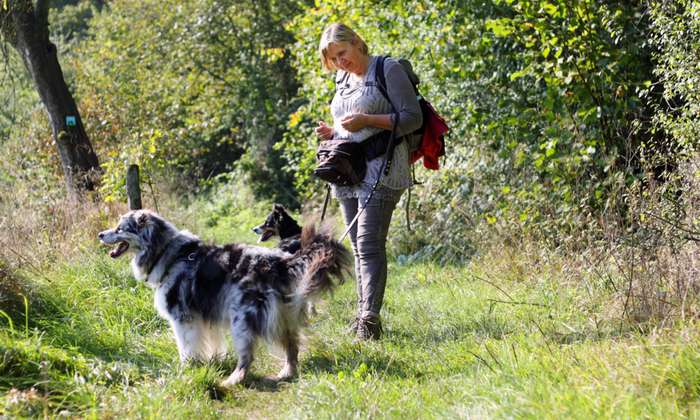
pixel 369 328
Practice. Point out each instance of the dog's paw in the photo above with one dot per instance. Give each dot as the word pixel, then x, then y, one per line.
pixel 234 379
pixel 286 373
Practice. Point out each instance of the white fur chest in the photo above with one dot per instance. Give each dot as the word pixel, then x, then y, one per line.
pixel 139 273
pixel 161 304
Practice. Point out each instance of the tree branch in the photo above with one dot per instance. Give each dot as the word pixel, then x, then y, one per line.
pixel 512 302
pixel 674 225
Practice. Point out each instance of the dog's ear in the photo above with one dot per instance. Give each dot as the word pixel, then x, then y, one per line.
pixel 142 219
pixel 277 207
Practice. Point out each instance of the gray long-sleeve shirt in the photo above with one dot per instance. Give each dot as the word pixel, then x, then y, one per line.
pixel 361 95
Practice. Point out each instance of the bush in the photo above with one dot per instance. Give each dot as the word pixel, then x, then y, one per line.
pixel 543 100
pixel 190 87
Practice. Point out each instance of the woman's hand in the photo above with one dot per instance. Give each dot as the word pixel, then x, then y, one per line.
pixel 323 131
pixel 354 122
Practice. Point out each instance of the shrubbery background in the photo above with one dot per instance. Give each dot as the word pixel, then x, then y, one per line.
pixel 574 125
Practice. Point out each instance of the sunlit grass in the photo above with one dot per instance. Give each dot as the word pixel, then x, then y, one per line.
pixel 468 341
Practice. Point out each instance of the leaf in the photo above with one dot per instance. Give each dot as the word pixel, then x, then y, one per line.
pixel 499 27
pixel 551 9
pixel 539 162
pixel 518 74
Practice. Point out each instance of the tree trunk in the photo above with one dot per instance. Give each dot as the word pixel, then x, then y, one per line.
pixel 28 33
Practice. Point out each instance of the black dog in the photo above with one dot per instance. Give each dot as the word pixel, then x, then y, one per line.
pixel 280 223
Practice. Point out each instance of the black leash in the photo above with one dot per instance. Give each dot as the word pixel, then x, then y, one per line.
pixel 408 199
pixel 408 205
pixel 325 203
pixel 386 166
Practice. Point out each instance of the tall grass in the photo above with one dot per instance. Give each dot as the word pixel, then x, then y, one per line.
pixel 513 333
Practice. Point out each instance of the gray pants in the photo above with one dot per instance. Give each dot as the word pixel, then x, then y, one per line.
pixel 368 238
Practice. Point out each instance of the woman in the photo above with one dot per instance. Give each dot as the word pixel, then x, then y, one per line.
pixel 359 111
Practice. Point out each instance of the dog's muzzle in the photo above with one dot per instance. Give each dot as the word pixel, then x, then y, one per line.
pixel 265 234
pixel 121 247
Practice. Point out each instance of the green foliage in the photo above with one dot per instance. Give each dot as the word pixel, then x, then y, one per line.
pixel 187 87
pixel 69 20
pixel 17 96
pixel 582 66
pixel 560 110
pixel 556 109
pixel 676 35
pixel 552 105
pixel 543 101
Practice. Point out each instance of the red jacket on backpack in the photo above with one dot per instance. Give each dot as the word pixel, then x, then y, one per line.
pixel 432 145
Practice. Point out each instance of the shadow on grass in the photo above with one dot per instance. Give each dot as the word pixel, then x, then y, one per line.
pixel 264 383
pixel 591 335
pixel 376 362
pixel 252 381
pixel 491 326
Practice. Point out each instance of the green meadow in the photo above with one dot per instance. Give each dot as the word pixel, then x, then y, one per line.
pixel 480 340
pixel 552 266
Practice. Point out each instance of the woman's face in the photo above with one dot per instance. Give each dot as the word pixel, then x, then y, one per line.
pixel 347 57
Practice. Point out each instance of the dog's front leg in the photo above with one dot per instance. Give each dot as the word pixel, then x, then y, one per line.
pixel 188 336
pixel 216 339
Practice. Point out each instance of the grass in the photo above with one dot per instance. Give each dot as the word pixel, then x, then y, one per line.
pixel 487 340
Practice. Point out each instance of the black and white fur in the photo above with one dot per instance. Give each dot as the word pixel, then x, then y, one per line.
pixel 206 290
pixel 280 223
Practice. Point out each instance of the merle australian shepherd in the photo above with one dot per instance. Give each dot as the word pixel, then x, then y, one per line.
pixel 206 290
pixel 279 223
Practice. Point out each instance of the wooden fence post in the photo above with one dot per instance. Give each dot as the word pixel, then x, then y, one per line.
pixel 133 188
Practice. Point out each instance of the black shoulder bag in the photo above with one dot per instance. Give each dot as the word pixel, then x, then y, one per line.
pixel 340 162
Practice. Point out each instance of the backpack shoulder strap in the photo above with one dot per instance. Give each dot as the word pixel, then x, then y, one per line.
pixel 339 79
pixel 380 77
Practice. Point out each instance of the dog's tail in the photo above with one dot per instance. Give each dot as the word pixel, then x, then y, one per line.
pixel 327 262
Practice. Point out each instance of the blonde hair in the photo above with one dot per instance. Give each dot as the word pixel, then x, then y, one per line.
pixel 338 32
